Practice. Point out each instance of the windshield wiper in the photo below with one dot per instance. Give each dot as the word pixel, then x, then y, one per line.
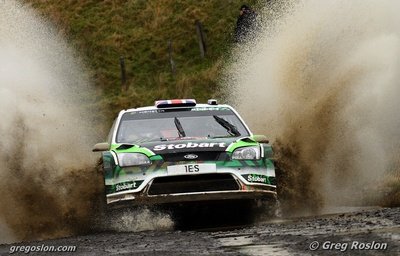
pixel 179 127
pixel 144 140
pixel 219 136
pixel 230 128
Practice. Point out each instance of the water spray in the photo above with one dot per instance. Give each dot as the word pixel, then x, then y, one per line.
pixel 322 82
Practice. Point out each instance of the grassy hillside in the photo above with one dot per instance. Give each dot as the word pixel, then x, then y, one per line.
pixel 139 30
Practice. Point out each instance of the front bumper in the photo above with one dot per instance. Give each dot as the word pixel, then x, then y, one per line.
pixel 226 183
pixel 141 199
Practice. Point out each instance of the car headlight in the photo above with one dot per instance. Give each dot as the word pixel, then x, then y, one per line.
pixel 132 159
pixel 246 153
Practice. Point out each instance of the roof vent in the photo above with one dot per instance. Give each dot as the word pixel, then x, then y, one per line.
pixel 212 102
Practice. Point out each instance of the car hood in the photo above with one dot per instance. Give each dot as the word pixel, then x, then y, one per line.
pixel 185 145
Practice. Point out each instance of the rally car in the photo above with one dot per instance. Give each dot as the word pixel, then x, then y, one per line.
pixel 179 151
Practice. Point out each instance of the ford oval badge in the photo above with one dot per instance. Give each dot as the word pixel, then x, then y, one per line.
pixel 191 156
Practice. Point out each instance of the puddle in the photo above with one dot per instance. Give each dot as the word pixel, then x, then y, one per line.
pixel 236 241
pixel 264 249
pixel 247 245
pixel 346 209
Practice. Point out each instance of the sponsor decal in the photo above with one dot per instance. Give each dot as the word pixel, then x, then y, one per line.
pixel 209 108
pixel 256 178
pixel 148 111
pixel 189 145
pixel 127 185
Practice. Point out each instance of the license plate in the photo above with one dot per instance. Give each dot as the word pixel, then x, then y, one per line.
pixel 191 169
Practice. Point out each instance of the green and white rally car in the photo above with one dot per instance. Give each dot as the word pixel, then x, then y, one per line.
pixel 178 151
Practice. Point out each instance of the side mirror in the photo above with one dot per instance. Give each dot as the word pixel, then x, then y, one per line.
pixel 260 138
pixel 104 146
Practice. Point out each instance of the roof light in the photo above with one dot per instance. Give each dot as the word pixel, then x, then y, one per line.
pixel 212 102
pixel 175 103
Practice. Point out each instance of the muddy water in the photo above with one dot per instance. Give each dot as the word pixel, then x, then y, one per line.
pixel 285 237
pixel 247 245
pixel 49 177
pixel 47 180
pixel 322 82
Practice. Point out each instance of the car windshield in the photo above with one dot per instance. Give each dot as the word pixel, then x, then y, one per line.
pixel 164 124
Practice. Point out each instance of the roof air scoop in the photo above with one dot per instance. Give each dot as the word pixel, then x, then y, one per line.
pixel 212 102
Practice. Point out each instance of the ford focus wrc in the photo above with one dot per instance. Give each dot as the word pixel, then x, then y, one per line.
pixel 179 151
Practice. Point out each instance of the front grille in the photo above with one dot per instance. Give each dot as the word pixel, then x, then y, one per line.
pixel 193 183
pixel 201 156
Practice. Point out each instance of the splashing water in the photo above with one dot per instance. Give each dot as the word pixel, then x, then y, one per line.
pixel 322 81
pixel 138 220
pixel 47 179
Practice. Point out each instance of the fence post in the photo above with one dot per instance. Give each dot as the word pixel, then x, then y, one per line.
pixel 124 84
pixel 171 60
pixel 201 37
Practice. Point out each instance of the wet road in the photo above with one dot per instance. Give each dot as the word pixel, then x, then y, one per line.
pixel 330 234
